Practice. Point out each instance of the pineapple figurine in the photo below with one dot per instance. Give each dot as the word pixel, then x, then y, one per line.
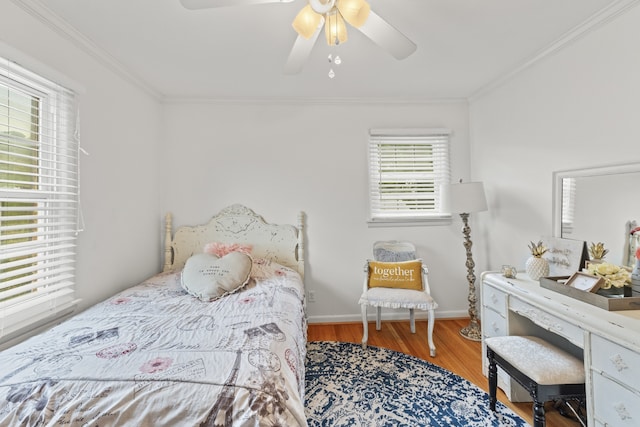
pixel 597 252
pixel 536 266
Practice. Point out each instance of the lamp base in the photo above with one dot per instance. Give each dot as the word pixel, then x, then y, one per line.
pixel 472 332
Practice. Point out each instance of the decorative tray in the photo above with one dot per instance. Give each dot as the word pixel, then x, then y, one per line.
pixel 610 303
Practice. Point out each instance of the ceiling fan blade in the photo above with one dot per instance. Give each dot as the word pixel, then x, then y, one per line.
pixel 387 36
pixel 208 4
pixel 300 51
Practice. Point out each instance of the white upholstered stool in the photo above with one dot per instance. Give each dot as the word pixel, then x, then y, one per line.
pixel 545 371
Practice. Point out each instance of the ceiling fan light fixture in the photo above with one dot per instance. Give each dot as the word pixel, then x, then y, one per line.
pixel 355 12
pixel 335 28
pixel 310 20
pixel 322 6
pixel 307 22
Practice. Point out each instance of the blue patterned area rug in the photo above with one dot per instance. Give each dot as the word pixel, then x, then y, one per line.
pixel 347 385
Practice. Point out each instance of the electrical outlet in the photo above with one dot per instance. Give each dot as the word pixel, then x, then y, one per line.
pixel 312 296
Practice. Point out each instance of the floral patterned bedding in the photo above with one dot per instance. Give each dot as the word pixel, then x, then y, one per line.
pixel 155 356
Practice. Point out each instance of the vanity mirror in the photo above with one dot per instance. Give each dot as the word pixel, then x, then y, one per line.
pixel 599 204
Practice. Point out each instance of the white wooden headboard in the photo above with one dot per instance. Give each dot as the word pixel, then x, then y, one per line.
pixel 283 244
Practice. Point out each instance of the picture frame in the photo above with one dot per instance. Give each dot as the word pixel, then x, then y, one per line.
pixel 565 255
pixel 585 282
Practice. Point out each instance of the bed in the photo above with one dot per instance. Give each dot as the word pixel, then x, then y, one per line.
pixel 157 354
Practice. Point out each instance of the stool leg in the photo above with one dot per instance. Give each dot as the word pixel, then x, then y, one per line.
pixel 493 380
pixel 539 419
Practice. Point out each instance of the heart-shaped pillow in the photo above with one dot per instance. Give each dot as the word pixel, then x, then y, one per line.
pixel 209 278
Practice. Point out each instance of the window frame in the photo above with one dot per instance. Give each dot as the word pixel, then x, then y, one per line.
pixel 438 142
pixel 49 211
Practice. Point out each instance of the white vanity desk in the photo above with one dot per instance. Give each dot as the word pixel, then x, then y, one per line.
pixel 609 342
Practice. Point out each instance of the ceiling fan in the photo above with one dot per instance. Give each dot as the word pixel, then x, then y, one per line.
pixel 331 14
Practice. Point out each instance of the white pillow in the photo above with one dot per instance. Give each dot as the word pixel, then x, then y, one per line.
pixel 209 278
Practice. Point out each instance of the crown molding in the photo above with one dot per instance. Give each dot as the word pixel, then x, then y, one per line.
pixel 42 13
pixel 312 101
pixel 594 22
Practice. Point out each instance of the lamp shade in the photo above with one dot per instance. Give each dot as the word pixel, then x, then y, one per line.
pixel 463 197
pixel 307 22
pixel 355 12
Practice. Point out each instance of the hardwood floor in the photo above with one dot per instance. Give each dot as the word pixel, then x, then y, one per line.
pixel 453 352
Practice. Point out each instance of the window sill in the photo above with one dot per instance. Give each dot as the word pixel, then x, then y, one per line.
pixel 38 326
pixel 409 222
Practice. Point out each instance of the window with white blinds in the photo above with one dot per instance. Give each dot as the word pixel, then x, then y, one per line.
pixel 406 169
pixel 38 199
pixel 568 203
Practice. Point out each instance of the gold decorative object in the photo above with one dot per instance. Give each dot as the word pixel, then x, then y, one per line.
pixel 597 250
pixel 537 250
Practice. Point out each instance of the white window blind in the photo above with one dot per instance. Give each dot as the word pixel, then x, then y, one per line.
pixel 38 199
pixel 406 169
pixel 568 203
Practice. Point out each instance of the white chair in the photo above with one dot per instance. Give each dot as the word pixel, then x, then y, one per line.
pixel 393 254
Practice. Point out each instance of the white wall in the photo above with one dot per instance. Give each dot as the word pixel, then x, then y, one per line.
pixel 577 108
pixel 120 125
pixel 276 158
pixel 279 158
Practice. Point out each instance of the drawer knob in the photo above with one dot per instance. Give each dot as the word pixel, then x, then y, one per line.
pixel 494 298
pixel 495 327
pixel 622 411
pixel 618 363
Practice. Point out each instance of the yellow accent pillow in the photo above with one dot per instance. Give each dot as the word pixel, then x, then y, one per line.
pixel 404 275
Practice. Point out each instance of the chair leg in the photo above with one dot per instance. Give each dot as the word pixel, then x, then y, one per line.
pixel 432 319
pixel 378 318
pixel 365 326
pixel 412 320
pixel 493 380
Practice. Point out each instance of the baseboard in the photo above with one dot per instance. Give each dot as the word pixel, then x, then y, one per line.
pixel 400 315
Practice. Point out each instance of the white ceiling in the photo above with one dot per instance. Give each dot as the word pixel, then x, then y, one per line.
pixel 239 52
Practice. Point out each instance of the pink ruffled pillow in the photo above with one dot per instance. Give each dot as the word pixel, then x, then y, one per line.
pixel 220 249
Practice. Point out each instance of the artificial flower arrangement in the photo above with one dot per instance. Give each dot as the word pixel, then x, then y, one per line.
pixel 613 275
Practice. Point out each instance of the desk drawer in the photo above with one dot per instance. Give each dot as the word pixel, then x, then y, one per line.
pixel 493 324
pixel 615 361
pixel 614 405
pixel 548 321
pixel 495 300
